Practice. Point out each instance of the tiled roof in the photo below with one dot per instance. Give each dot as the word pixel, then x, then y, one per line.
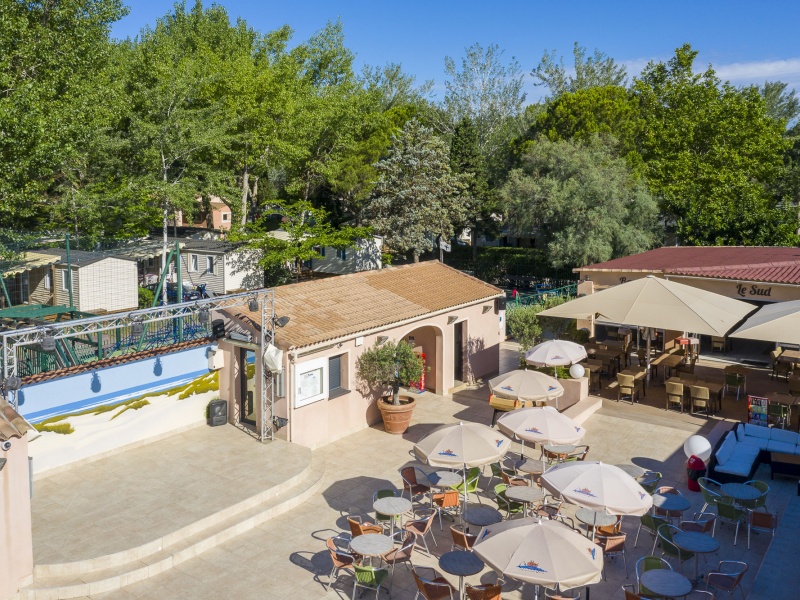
pixel 336 307
pixel 80 257
pixel 110 362
pixel 751 263
pixel 12 424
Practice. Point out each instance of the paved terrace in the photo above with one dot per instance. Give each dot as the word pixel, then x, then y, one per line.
pixel 285 557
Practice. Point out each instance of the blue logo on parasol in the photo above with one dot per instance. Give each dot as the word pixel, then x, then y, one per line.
pixel 531 566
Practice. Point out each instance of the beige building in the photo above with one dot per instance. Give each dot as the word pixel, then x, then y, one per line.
pixel 450 317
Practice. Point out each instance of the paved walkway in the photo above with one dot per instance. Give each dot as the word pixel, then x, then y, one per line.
pixel 286 557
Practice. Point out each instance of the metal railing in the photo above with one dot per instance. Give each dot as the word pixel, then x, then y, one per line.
pixel 541 295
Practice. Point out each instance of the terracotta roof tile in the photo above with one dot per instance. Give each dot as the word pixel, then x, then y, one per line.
pixel 751 263
pixel 330 308
pixel 110 362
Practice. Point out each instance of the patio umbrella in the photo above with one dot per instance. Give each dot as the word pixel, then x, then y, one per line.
pixel 658 303
pixel 528 386
pixel 544 553
pixel 462 446
pixel 778 322
pixel 541 424
pixel 597 486
pixel 555 353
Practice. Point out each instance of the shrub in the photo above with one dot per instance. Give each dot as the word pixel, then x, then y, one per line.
pixel 146 297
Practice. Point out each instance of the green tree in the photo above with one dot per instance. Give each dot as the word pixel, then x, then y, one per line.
pixel 389 365
pixel 417 198
pixel 305 230
pixel 712 155
pixel 598 70
pixel 583 200
pixel 781 105
pixel 488 93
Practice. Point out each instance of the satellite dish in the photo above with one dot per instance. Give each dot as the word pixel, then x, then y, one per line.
pixel 273 359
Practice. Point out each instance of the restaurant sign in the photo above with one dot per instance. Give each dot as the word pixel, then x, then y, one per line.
pixel 744 290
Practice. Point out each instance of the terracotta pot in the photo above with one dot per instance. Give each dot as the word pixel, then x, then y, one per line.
pixel 397 418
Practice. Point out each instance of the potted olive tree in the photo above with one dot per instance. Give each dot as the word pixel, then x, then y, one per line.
pixel 385 368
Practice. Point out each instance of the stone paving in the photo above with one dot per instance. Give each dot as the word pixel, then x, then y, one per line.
pixel 286 557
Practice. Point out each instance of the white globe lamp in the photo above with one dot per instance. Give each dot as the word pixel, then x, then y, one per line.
pixel 577 371
pixel 698 446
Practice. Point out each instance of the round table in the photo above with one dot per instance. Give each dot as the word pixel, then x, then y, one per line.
pixel 524 493
pixel 531 466
pixel 665 582
pixel 559 449
pixel 371 544
pixel 632 470
pixel 392 506
pixel 670 502
pixel 740 491
pixel 594 518
pixel 482 516
pixel 694 541
pixel 461 563
pixel 443 479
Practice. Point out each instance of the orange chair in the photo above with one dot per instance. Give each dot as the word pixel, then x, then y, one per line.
pixel 448 502
pixel 357 527
pixel 410 483
pixel 462 540
pixel 422 527
pixel 431 585
pixel 341 561
pixel 485 592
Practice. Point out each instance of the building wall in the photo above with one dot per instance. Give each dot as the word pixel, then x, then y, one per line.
pixel 233 281
pixel 365 257
pixel 214 280
pixel 62 295
pixel 38 293
pixel 221 216
pixel 16 538
pixel 324 420
pixel 66 395
pixel 110 284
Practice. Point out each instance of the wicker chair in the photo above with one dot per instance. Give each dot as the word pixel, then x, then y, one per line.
pixel 488 591
pixel 700 399
pixel 674 395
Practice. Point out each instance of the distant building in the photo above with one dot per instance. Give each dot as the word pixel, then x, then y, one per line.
pixel 216 263
pixel 365 256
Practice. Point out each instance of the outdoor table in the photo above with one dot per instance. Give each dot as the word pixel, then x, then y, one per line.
pixel 665 582
pixel 740 491
pixel 531 466
pixel 632 470
pixel 444 479
pixel 524 493
pixel 592 369
pixel 668 361
pixel 792 356
pixel 694 541
pixel 461 563
pixel 371 545
pixel 714 387
pixel 482 516
pixel 392 506
pixel 561 450
pixel 594 518
pixel 670 502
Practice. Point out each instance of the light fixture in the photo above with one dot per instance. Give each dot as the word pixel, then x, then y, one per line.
pixel 382 339
pixel 487 309
pixel 13 383
pixel 253 305
pixel 281 321
pixel 137 329
pixel 48 343
pixel 452 319
pixel 203 316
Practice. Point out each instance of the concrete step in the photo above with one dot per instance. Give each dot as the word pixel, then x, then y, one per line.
pixel 112 572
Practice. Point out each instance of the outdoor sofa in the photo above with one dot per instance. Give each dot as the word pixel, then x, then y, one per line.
pixel 737 456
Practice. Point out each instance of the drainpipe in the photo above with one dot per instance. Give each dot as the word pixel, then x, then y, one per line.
pixel 69 275
pixel 289 393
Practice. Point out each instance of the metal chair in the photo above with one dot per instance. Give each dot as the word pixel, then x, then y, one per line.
pixel 510 480
pixel 630 592
pixel 711 491
pixel 669 515
pixel 556 595
pixel 761 486
pixel 358 527
pixel 651 524
pixel 761 520
pixel 432 585
pixel 342 561
pixel 369 578
pixel 701 523
pixel 411 484
pixel 733 380
pixel 649 481
pixel 648 563
pixel 401 554
pixel 447 502
pixel 422 527
pixel 613 546
pixel 668 548
pixel 472 483
pixel 461 539
pixel 503 503
pixel 486 591
pixel 727 512
pixel 674 394
pixel 727 577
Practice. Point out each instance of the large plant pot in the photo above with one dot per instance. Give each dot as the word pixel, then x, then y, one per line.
pixel 397 418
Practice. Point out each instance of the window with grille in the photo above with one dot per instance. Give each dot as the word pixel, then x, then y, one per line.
pixel 337 371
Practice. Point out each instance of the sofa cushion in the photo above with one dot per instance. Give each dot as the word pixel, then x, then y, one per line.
pixel 725 450
pixel 755 442
pixel 757 431
pixel 736 467
pixel 745 452
pixel 739 430
pixel 776 446
pixel 783 435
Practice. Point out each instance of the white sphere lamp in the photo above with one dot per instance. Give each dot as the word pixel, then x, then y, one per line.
pixel 577 371
pixel 698 446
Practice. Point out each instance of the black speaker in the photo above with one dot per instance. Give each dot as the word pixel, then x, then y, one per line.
pixel 217 412
pixel 218 328
pixel 499 304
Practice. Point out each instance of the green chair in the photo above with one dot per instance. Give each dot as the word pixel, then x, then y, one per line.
pixel 651 524
pixel 733 380
pixel 729 513
pixel 381 519
pixel 668 548
pixel 648 563
pixel 369 578
pixel 503 503
pixel 472 483
pixel 650 480
pixel 711 491
pixel 761 501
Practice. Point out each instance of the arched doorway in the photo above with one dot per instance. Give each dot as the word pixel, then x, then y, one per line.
pixel 428 340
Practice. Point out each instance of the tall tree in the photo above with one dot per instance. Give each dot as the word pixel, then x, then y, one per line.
pixel 583 200
pixel 487 92
pixel 712 154
pixel 595 71
pixel 781 104
pixel 417 198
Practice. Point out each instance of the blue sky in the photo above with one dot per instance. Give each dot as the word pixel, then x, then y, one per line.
pixel 745 42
